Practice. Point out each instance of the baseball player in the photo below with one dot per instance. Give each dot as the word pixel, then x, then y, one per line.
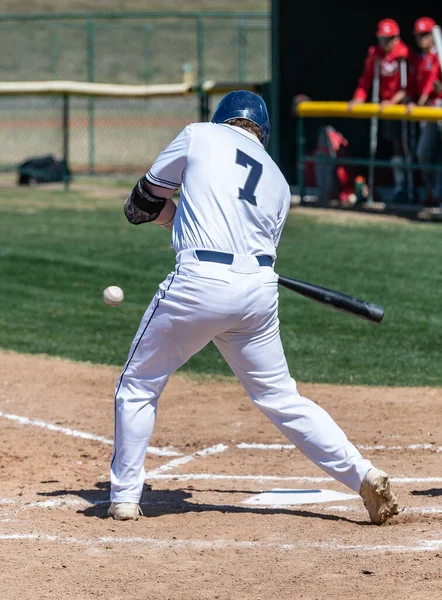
pixel 392 62
pixel 233 204
pixel 428 75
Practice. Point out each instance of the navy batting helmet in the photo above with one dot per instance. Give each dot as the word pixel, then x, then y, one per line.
pixel 244 105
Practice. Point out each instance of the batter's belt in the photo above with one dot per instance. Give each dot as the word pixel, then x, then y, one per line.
pixel 226 258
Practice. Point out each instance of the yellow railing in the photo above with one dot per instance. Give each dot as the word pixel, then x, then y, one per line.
pixel 372 111
pixel 368 110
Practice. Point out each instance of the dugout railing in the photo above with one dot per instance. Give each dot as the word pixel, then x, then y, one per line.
pixel 344 110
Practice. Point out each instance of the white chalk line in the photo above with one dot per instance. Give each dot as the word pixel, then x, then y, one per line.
pixel 62 502
pixel 177 462
pixel 19 506
pixel 224 544
pixel 412 510
pixel 167 451
pixel 431 447
pixel 216 477
pixel 80 434
pixel 255 446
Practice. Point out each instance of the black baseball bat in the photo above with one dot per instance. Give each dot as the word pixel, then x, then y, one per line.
pixel 338 300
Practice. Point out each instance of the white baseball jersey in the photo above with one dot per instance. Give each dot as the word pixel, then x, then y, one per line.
pixel 233 196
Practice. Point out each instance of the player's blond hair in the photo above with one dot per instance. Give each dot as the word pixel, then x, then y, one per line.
pixel 248 126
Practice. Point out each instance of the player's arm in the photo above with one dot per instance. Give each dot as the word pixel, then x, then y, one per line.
pixel 148 203
pixel 151 198
pixel 366 79
pixel 282 217
pixel 407 92
pixel 433 77
pixel 398 98
pixel 412 66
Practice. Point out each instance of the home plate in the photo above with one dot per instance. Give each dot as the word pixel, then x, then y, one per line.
pixel 282 497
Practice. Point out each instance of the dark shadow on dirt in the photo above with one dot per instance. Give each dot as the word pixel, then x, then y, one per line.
pixel 432 492
pixel 156 503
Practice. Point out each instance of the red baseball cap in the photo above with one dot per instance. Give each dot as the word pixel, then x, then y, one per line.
pixel 424 25
pixel 387 28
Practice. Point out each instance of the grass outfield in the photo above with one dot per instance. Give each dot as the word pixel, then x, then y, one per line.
pixel 59 251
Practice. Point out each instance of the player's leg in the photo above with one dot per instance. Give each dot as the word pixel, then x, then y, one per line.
pixel 393 133
pixel 257 358
pixel 175 326
pixel 438 194
pixel 260 365
pixel 426 152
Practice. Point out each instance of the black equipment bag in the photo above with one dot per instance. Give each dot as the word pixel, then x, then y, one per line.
pixel 43 169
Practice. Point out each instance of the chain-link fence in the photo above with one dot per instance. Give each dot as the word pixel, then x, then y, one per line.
pixel 126 48
pixel 105 134
pixel 135 47
pixel 94 134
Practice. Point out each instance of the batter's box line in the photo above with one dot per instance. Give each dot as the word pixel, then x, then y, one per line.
pixel 165 451
pixel 225 544
pixel 177 462
pixel 258 446
pixel 297 478
pixel 19 506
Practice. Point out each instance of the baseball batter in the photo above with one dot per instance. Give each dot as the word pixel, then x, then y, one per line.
pixel 233 204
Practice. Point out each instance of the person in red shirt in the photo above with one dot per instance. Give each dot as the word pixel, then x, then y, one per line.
pixel 427 81
pixel 393 62
pixel 389 53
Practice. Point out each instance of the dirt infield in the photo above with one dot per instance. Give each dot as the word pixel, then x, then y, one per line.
pixel 212 450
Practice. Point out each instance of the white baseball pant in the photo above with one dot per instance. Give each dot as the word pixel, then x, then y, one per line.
pixel 236 306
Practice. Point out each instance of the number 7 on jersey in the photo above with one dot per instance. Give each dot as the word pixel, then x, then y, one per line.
pixel 248 191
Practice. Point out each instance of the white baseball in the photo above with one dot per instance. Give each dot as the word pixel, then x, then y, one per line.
pixel 113 295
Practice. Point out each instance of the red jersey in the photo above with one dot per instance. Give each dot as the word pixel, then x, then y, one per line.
pixel 389 70
pixel 427 72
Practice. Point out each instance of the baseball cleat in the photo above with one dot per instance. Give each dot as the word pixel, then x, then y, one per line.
pixel 124 511
pixel 378 498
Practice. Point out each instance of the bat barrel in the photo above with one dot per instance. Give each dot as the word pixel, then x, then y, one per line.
pixel 359 308
pixel 375 312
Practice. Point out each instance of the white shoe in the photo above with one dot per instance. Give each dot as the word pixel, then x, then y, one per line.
pixel 378 498
pixel 124 511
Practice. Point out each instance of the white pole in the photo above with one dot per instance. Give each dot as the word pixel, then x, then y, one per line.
pixel 405 144
pixel 373 131
pixel 437 38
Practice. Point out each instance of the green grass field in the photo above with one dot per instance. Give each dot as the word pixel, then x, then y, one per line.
pixel 59 251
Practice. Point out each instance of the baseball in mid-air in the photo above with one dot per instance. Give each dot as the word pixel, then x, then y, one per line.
pixel 113 295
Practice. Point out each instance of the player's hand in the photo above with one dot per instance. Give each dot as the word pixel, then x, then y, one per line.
pixel 353 103
pixel 410 107
pixel 297 100
pixel 423 100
